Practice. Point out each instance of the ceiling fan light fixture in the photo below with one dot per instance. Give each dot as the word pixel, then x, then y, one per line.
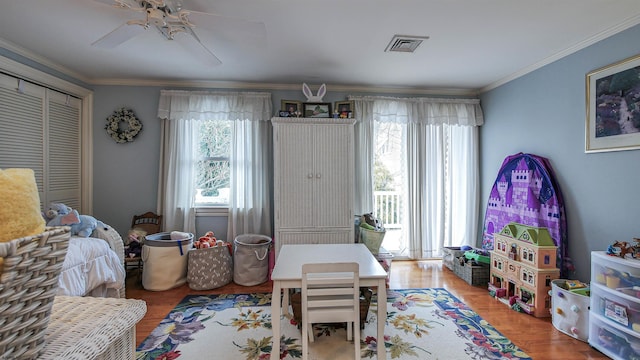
pixel 156 17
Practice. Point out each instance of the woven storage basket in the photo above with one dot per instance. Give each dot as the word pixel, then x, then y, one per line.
pixel 475 275
pixel 372 239
pixel 28 285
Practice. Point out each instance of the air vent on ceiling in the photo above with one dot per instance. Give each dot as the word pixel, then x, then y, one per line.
pixel 405 43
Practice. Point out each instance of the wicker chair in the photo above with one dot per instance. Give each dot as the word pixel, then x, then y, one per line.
pixel 30 270
pixel 88 328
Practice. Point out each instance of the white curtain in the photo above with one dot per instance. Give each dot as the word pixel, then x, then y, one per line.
pixel 364 153
pixel 249 208
pixel 441 205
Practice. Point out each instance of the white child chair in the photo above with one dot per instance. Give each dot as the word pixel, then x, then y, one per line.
pixel 331 294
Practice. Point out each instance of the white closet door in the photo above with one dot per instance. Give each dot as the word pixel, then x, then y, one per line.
pixel 40 130
pixel 333 207
pixel 22 107
pixel 64 153
pixel 294 164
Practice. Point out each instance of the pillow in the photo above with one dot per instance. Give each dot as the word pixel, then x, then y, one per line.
pixel 20 214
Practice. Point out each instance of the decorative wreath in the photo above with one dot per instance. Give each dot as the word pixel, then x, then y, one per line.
pixel 129 131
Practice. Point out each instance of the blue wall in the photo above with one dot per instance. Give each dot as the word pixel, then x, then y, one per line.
pixel 125 176
pixel 544 113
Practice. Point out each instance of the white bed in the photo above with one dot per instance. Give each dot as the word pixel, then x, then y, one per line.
pixel 94 266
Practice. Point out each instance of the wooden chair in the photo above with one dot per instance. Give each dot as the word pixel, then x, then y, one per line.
pixel 331 294
pixel 149 222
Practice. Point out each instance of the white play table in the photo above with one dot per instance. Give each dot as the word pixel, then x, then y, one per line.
pixel 287 274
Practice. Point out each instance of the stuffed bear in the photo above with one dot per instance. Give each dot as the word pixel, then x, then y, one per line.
pixel 60 214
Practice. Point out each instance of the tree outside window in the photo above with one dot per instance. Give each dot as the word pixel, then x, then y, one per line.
pixel 213 166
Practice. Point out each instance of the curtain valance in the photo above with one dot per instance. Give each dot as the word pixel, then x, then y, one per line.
pixel 431 111
pixel 207 105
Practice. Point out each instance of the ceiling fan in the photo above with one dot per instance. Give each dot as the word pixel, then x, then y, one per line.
pixel 171 20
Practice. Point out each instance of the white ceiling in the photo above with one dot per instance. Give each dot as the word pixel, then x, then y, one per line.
pixel 473 44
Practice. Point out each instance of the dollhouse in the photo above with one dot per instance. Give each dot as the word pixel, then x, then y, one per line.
pixel 523 264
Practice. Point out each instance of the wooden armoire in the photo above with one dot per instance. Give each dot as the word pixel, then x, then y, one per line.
pixel 313 180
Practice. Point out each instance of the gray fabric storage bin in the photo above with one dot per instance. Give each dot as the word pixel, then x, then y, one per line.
pixel 209 268
pixel 250 259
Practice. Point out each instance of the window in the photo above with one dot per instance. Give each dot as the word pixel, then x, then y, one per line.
pixel 213 167
pixel 214 139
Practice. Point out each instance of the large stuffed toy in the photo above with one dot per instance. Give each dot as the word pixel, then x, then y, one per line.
pixel 60 214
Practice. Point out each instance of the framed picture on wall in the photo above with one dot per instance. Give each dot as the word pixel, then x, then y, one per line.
pixel 345 109
pixel 291 107
pixel 317 110
pixel 613 107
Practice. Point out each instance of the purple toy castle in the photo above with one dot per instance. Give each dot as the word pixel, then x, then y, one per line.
pixel 525 192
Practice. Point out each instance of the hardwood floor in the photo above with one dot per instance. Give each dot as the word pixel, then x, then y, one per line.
pixel 536 336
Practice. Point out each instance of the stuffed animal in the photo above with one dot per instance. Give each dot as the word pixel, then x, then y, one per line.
pixel 60 214
pixel 134 246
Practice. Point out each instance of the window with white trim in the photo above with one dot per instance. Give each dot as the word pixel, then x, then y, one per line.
pixel 213 164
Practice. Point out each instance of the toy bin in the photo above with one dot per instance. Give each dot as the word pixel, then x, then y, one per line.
pixel 618 309
pixel 250 259
pixel 209 268
pixel 474 274
pixel 372 239
pixel 384 257
pixel 613 342
pixel 614 318
pixel 614 272
pixel 165 258
pixel 570 309
pixel 450 254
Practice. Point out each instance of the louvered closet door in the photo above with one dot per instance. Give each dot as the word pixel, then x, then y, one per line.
pixel 22 127
pixel 40 130
pixel 63 154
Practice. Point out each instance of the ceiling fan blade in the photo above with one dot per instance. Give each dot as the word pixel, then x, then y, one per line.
pixel 121 34
pixel 230 27
pixel 190 42
pixel 133 4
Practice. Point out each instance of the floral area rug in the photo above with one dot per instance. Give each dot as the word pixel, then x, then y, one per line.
pixel 421 324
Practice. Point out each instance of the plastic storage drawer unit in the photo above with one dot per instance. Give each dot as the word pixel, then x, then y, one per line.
pixel 614 317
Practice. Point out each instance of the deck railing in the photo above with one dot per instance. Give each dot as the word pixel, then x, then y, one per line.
pixel 388 208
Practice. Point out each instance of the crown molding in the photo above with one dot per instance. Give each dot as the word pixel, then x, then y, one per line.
pixel 30 55
pixel 26 72
pixel 212 84
pixel 630 22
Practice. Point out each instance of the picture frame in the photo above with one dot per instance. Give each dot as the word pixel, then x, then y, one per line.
pixel 345 109
pixel 317 110
pixel 290 107
pixel 613 107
